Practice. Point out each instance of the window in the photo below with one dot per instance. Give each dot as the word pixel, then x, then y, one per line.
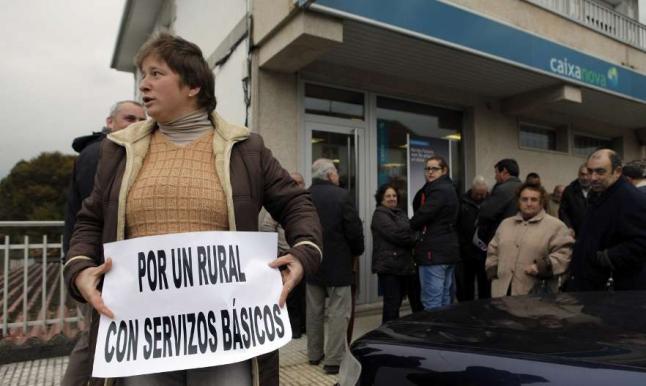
pixel 585 144
pixel 429 130
pixel 543 137
pixel 333 102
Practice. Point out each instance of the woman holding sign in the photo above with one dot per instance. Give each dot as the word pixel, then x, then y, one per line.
pixel 187 170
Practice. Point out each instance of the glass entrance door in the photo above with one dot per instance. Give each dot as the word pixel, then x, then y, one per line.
pixel 345 146
pixel 341 149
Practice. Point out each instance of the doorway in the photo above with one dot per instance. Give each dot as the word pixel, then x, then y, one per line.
pixel 346 147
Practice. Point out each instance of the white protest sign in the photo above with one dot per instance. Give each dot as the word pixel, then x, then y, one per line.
pixel 189 300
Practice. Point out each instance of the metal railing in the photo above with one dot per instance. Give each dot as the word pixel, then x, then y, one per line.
pixel 602 19
pixel 32 273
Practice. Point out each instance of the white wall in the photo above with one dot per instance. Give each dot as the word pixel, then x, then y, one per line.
pixel 641 7
pixel 229 89
pixel 496 137
pixel 207 23
pixel 626 7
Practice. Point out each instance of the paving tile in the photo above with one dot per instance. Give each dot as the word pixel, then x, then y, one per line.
pixel 294 367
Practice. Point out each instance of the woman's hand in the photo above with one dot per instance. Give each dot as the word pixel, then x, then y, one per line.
pixel 532 270
pixel 292 274
pixel 87 281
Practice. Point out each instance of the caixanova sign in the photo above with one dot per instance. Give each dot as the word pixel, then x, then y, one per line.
pixel 572 70
pixel 445 23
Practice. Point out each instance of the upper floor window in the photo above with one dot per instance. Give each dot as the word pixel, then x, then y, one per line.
pixel 584 145
pixel 542 137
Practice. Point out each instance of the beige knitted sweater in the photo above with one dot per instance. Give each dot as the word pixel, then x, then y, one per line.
pixel 177 190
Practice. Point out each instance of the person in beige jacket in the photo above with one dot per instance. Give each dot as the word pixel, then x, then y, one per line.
pixel 528 247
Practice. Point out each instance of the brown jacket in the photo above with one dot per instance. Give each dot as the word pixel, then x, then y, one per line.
pixel 542 240
pixel 251 177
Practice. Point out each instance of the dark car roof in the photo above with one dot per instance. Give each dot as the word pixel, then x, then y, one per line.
pixel 598 327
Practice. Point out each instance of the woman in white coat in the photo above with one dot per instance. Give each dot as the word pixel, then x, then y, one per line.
pixel 528 247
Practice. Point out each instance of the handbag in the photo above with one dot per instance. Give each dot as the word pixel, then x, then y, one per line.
pixel 541 288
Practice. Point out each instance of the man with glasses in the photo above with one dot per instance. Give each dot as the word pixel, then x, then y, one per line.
pixel 610 250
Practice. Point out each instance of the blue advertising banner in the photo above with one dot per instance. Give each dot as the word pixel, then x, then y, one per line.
pixel 447 24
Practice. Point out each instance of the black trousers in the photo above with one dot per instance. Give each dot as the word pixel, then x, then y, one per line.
pixel 296 308
pixel 395 287
pixel 470 271
pixel 414 292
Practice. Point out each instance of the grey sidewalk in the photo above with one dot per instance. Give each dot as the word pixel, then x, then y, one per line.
pixel 294 369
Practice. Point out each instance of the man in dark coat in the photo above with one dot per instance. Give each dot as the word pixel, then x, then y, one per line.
pixel 342 240
pixel 610 249
pixel 500 204
pixel 574 200
pixel 635 172
pixel 122 114
pixel 471 268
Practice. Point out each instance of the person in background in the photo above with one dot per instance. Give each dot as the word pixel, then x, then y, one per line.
pixel 635 172
pixel 392 246
pixel 574 200
pixel 533 178
pixel 471 267
pixel 500 204
pixel 437 252
pixel 296 298
pixel 555 201
pixel 610 249
pixel 122 114
pixel 528 247
pixel 342 241
pixel 187 170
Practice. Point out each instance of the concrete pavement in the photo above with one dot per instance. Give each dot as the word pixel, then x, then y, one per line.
pixel 294 368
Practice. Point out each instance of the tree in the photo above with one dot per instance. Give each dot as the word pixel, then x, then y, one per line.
pixel 37 189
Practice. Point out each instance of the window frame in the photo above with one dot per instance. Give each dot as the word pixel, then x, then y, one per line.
pixel 593 136
pixel 561 133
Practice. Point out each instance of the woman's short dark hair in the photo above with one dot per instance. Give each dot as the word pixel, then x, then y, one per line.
pixel 440 160
pixel 185 59
pixel 381 191
pixel 535 187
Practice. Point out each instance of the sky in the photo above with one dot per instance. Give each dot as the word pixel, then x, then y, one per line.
pixel 55 77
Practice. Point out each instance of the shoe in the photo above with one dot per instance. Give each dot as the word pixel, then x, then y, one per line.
pixel 331 369
pixel 315 362
pixel 296 334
